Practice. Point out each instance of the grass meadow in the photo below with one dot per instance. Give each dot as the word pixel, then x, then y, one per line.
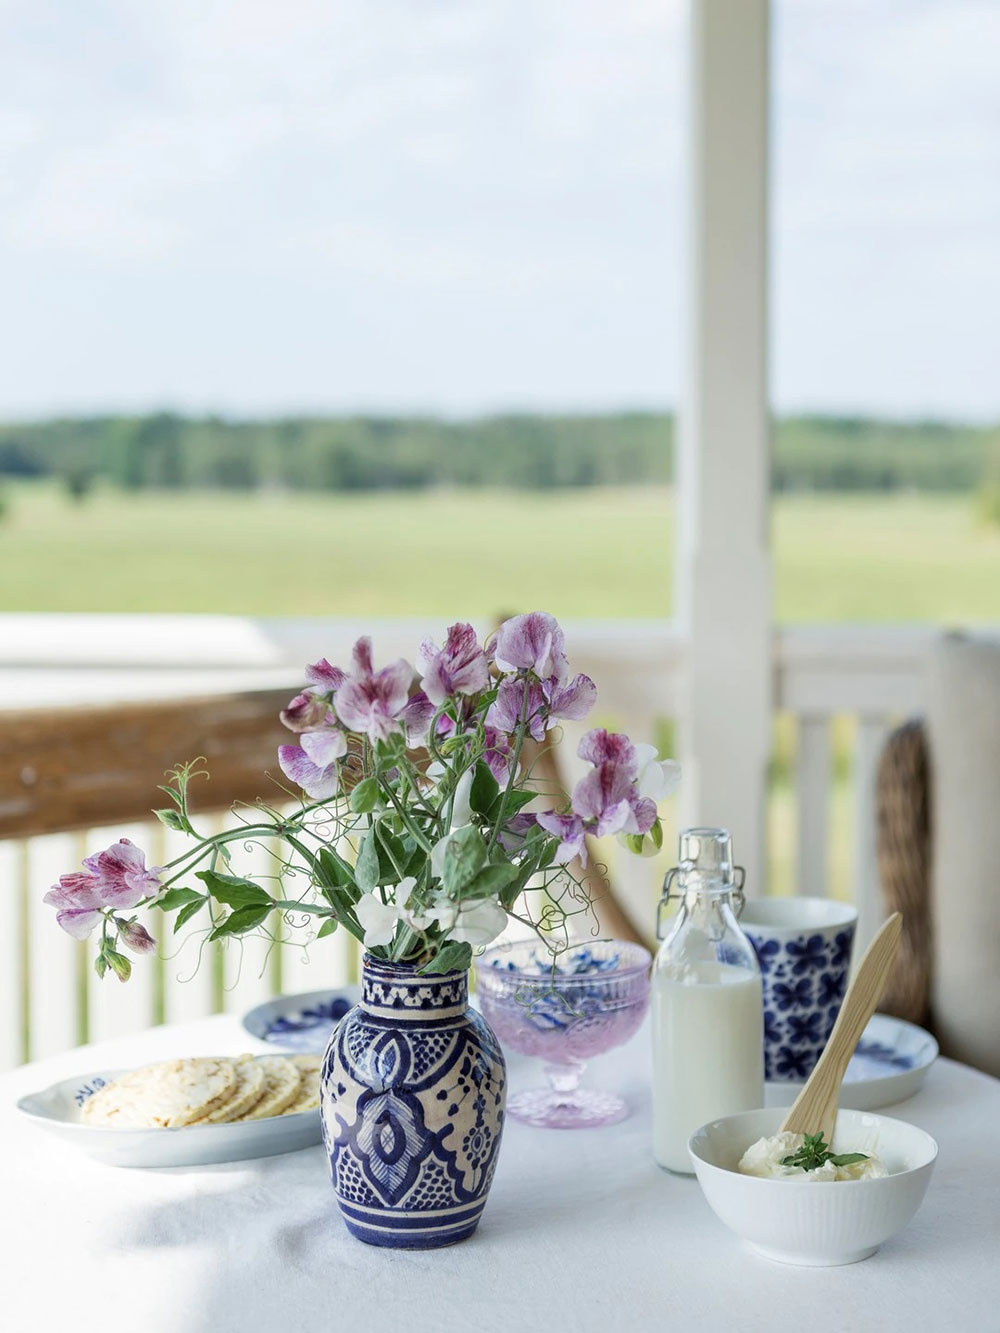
pixel 582 554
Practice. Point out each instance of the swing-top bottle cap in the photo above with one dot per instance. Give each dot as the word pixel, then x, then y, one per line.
pixel 708 854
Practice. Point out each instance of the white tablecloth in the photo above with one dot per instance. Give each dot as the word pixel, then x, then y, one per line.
pixel 582 1232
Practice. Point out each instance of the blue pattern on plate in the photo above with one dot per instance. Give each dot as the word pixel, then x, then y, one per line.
pixel 307 1029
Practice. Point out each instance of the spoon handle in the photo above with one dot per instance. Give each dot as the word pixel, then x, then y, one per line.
pixel 815 1108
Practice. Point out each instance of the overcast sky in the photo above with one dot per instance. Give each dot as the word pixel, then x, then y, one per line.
pixel 469 205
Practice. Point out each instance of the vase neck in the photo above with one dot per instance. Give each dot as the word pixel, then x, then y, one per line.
pixel 398 991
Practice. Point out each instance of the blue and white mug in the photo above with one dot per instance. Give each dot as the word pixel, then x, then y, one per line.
pixel 804 949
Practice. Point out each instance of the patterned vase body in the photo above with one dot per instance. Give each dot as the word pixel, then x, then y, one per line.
pixel 412 1093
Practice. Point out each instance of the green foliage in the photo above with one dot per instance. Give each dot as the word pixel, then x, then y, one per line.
pixel 169 452
pixel 235 891
pixel 451 957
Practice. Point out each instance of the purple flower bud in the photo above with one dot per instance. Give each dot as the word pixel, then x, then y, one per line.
pixel 136 937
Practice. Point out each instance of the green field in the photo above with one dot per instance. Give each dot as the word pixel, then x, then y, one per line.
pixel 580 553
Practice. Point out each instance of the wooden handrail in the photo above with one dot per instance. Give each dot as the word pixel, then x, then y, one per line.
pixel 71 768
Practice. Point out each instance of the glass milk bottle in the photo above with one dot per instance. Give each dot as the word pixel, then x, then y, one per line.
pixel 706 1000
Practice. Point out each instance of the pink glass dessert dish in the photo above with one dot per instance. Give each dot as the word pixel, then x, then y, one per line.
pixel 592 998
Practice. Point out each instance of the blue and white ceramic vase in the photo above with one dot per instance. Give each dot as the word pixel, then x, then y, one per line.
pixel 413 1090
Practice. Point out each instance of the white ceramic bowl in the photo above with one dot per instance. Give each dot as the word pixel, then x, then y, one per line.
pixel 816 1223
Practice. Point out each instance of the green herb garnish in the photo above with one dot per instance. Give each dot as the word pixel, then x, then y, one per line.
pixel 814 1153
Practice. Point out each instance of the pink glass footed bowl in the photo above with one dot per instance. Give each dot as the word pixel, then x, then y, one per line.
pixel 593 998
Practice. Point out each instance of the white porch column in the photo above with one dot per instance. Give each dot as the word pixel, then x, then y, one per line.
pixel 724 568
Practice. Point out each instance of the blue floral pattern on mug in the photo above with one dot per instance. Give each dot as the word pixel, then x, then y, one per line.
pixel 805 978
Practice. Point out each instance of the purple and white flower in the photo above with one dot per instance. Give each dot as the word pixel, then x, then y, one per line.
pixel 318 781
pixel 460 667
pixel 532 642
pixel 116 878
pixel 370 701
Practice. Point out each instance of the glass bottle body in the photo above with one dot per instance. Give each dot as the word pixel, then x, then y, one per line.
pixel 707 1019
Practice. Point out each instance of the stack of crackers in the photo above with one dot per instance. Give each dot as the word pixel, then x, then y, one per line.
pixel 206 1091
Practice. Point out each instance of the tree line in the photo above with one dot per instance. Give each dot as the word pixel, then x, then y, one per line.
pixel 168 451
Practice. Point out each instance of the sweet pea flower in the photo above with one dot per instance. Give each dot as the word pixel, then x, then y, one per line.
pixel 532 642
pixel 121 871
pixel 78 904
pixel 371 701
pixel 517 698
pixel 325 677
pixel 657 778
pixel 607 800
pixel 376 918
pixel 310 708
pixel 609 747
pixel 572 701
pixel 318 781
pixel 460 667
pixel 571 832
pixel 117 877
pixel 305 712
pixel 416 718
pixel 498 753
pixel 475 921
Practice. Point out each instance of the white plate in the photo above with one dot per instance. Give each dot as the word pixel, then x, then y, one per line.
pixel 301 1022
pixel 57 1110
pixel 889 1065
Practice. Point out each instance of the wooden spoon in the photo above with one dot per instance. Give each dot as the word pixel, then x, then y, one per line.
pixel 815 1108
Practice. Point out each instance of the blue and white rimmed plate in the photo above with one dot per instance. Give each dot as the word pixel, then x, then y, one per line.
pixel 889 1065
pixel 303 1022
pixel 57 1110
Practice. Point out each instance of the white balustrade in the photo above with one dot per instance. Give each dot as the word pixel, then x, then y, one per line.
pixel 47 989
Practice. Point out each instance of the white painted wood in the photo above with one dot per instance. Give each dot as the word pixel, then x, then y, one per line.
pixel 724 565
pixel 12 859
pixel 871 735
pixel 116 1008
pixel 54 993
pixel 813 773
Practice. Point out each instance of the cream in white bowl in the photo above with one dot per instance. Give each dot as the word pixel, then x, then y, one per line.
pixel 814 1223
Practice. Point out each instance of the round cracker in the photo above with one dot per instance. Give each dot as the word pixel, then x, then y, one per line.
pixel 162 1096
pixel 307 1100
pixel 282 1087
pixel 251 1084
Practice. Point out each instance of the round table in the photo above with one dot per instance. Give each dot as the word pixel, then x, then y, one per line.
pixel 582 1231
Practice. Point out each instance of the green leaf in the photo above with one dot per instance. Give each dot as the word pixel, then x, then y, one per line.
pixel 484 790
pixel 633 841
pixel 177 898
pixel 327 928
pixel 390 751
pixel 235 891
pixel 391 853
pixel 464 857
pixel 334 869
pixel 366 871
pixel 187 912
pixel 656 833
pixel 173 819
pixel 365 796
pixel 491 881
pixel 240 921
pixel 100 965
pixel 451 957
pixel 847 1158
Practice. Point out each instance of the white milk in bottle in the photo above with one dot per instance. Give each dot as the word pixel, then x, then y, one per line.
pixel 706 1001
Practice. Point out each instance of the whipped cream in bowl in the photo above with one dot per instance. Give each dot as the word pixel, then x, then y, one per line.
pixel 772 1157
